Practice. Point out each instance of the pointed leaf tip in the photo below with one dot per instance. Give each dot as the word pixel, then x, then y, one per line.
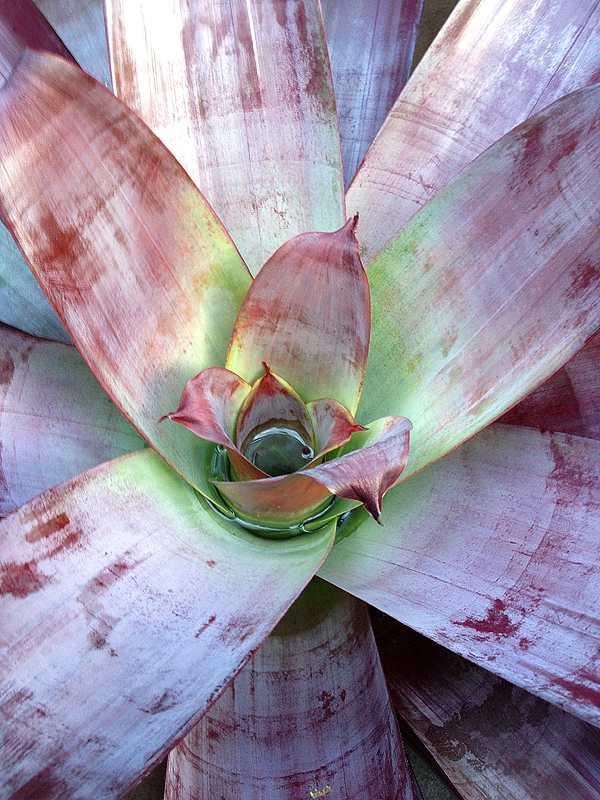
pixel 318 341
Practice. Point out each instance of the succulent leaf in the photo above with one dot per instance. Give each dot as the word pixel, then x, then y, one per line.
pixel 246 105
pixel 480 550
pixel 494 285
pixel 491 67
pixel 145 278
pixel 308 315
pixel 126 607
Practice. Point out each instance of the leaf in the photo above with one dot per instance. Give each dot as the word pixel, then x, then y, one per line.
pixel 143 275
pixel 293 722
pixel 569 401
pixel 22 303
pixel 371 45
pixel 373 464
pixel 241 93
pixel 127 608
pixel 55 421
pixel 493 65
pixel 492 553
pixel 493 286
pixel 491 739
pixel 332 423
pixel 81 27
pixel 308 316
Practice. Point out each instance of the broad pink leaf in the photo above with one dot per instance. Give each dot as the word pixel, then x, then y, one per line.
pixel 569 402
pixel 22 303
pixel 308 717
pixel 209 406
pixel 494 285
pixel 371 45
pixel 308 316
pixel 494 64
pixel 492 553
pixel 376 459
pixel 493 740
pixel 126 608
pixel 332 423
pixel 55 421
pixel 146 280
pixel 80 25
pixel 241 93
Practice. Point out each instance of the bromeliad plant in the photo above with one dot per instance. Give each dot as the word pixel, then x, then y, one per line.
pixel 132 594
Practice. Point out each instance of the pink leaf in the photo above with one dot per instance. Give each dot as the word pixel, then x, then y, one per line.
pixel 494 285
pixel 332 423
pixel 294 721
pixel 371 45
pixel 492 553
pixel 568 402
pixel 308 316
pixel 22 26
pixel 493 65
pixel 241 92
pixel 144 277
pixel 126 608
pixel 55 421
pixel 491 739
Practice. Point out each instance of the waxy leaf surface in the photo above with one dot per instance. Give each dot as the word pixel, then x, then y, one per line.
pixel 142 273
pixel 308 316
pixel 495 63
pixel 568 402
pixel 80 25
pixel 55 421
pixel 126 608
pixel 494 285
pixel 491 739
pixel 22 302
pixel 371 45
pixel 294 718
pixel 241 93
pixel 492 553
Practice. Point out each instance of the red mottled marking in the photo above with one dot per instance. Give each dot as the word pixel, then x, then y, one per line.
pixel 21 580
pixel 327 699
pixel 7 370
pixel 569 145
pixel 211 563
pixel 577 690
pixel 8 706
pixel 44 784
pixel 568 478
pixel 208 622
pixel 46 529
pixel 237 630
pixel 496 621
pixel 166 701
pixel 586 276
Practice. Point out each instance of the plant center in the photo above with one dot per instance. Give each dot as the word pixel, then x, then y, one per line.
pixel 278 447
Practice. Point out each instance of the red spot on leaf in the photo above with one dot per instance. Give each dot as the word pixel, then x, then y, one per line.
pixel 46 529
pixel 166 701
pixel 202 628
pixel 7 370
pixel 21 580
pixel 496 621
